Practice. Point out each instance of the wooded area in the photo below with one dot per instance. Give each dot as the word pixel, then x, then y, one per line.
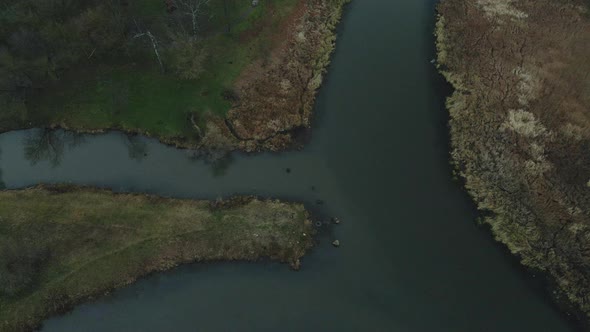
pixel 40 40
pixel 99 57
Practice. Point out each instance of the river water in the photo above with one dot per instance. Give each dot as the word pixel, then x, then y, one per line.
pixel 412 257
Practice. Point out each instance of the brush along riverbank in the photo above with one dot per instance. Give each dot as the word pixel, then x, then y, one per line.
pixel 520 127
pixel 61 245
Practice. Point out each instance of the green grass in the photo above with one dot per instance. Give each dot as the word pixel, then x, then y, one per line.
pixel 62 245
pixel 133 99
pixel 139 98
pixel 145 8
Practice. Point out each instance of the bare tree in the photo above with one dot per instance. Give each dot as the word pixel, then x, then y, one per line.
pixel 192 8
pixel 154 42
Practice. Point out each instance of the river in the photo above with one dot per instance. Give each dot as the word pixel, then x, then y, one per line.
pixel 412 257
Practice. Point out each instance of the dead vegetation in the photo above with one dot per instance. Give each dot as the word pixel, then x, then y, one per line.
pixel 520 126
pixel 275 96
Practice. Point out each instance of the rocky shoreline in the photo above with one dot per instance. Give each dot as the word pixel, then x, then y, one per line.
pixel 520 127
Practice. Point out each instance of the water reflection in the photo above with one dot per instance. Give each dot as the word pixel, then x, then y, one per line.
pixel 44 145
pixel 49 145
pixel 218 160
pixel 138 148
pixel 220 166
pixel 2 184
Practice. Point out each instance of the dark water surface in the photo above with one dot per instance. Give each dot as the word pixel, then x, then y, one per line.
pixel 412 257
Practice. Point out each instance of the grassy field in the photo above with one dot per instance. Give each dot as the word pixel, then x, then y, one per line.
pixel 245 79
pixel 62 245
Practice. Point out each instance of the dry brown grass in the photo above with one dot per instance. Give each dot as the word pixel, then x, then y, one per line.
pixel 520 126
pixel 276 94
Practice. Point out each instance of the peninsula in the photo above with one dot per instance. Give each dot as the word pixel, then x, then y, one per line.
pixel 61 245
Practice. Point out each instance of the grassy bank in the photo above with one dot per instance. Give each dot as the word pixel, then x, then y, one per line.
pixel 520 127
pixel 62 245
pixel 83 67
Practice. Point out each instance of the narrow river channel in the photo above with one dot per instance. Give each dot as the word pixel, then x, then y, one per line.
pixel 412 257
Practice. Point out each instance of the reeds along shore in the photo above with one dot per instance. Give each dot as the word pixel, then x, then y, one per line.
pixel 520 127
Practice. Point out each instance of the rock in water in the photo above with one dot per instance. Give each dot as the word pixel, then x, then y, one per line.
pixel 336 243
pixel 296 265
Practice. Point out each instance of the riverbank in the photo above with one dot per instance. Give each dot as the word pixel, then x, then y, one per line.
pixel 61 245
pixel 520 127
pixel 246 80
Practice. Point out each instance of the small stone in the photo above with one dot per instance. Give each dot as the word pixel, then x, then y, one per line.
pixel 335 220
pixel 336 243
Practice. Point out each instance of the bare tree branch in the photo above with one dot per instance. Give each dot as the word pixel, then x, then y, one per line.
pixel 192 8
pixel 154 44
